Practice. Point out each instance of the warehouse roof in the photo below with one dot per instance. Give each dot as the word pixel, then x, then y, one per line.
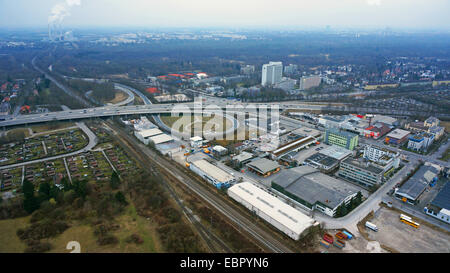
pixel 442 199
pixel 196 138
pixel 336 152
pixel 305 131
pixel 398 134
pixel 243 156
pixel 161 138
pixel 322 159
pixel 213 171
pixel 263 165
pixel 272 206
pixel 313 186
pixel 384 119
pixel 219 148
pixel 150 132
pixel 418 182
pixel 293 145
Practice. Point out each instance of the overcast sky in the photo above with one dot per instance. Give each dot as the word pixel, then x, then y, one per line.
pixel 227 13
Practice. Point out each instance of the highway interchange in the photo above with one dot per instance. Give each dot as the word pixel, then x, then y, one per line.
pixel 122 109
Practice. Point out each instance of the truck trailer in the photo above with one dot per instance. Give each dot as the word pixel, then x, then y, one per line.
pixel 371 226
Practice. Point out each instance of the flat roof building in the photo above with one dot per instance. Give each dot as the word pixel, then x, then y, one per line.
pixel 306 131
pixel 431 121
pixel 341 138
pixel 437 131
pixel 196 141
pixel 312 189
pixel 263 166
pixel 398 136
pixel 376 130
pixel 145 135
pixel 385 119
pixel 212 173
pixel 162 138
pixel 411 190
pixel 277 213
pixel 272 73
pixel 243 157
pixel 322 162
pixel 336 152
pixel 361 172
pixel 219 150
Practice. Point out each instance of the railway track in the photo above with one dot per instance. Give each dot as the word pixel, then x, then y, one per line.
pixel 213 242
pixel 264 239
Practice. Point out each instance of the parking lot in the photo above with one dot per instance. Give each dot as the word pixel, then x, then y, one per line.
pixel 404 238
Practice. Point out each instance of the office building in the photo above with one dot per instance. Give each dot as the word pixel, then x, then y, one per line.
pixel 420 141
pixel 309 82
pixel 374 152
pixel 291 69
pixel 364 173
pixel 272 73
pixel 248 69
pixel 341 138
pixel 431 121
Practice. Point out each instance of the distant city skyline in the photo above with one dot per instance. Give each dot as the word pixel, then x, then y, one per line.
pixel 403 14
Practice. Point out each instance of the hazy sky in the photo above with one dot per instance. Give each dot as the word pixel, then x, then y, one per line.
pixel 227 13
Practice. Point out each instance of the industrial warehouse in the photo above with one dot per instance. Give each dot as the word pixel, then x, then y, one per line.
pixel 312 189
pixel 212 173
pixel 411 190
pixel 263 167
pixel 279 214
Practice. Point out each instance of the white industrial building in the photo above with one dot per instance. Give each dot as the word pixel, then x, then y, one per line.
pixel 212 173
pixel 196 141
pixel 145 135
pixel 162 138
pixel 272 73
pixel 279 214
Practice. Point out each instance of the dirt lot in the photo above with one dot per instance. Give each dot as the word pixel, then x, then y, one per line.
pixel 404 238
pixel 355 245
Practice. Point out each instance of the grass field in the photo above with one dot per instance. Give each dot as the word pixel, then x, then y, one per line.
pixel 9 242
pixel 446 125
pixel 119 96
pixel 83 233
pixel 24 130
pixel 51 126
pixel 446 155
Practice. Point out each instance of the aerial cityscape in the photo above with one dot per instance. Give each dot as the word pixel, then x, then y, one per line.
pixel 308 137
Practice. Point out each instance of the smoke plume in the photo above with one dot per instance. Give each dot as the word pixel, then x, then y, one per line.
pixel 62 10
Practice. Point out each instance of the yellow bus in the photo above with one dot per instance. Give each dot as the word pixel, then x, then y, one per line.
pixel 408 220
